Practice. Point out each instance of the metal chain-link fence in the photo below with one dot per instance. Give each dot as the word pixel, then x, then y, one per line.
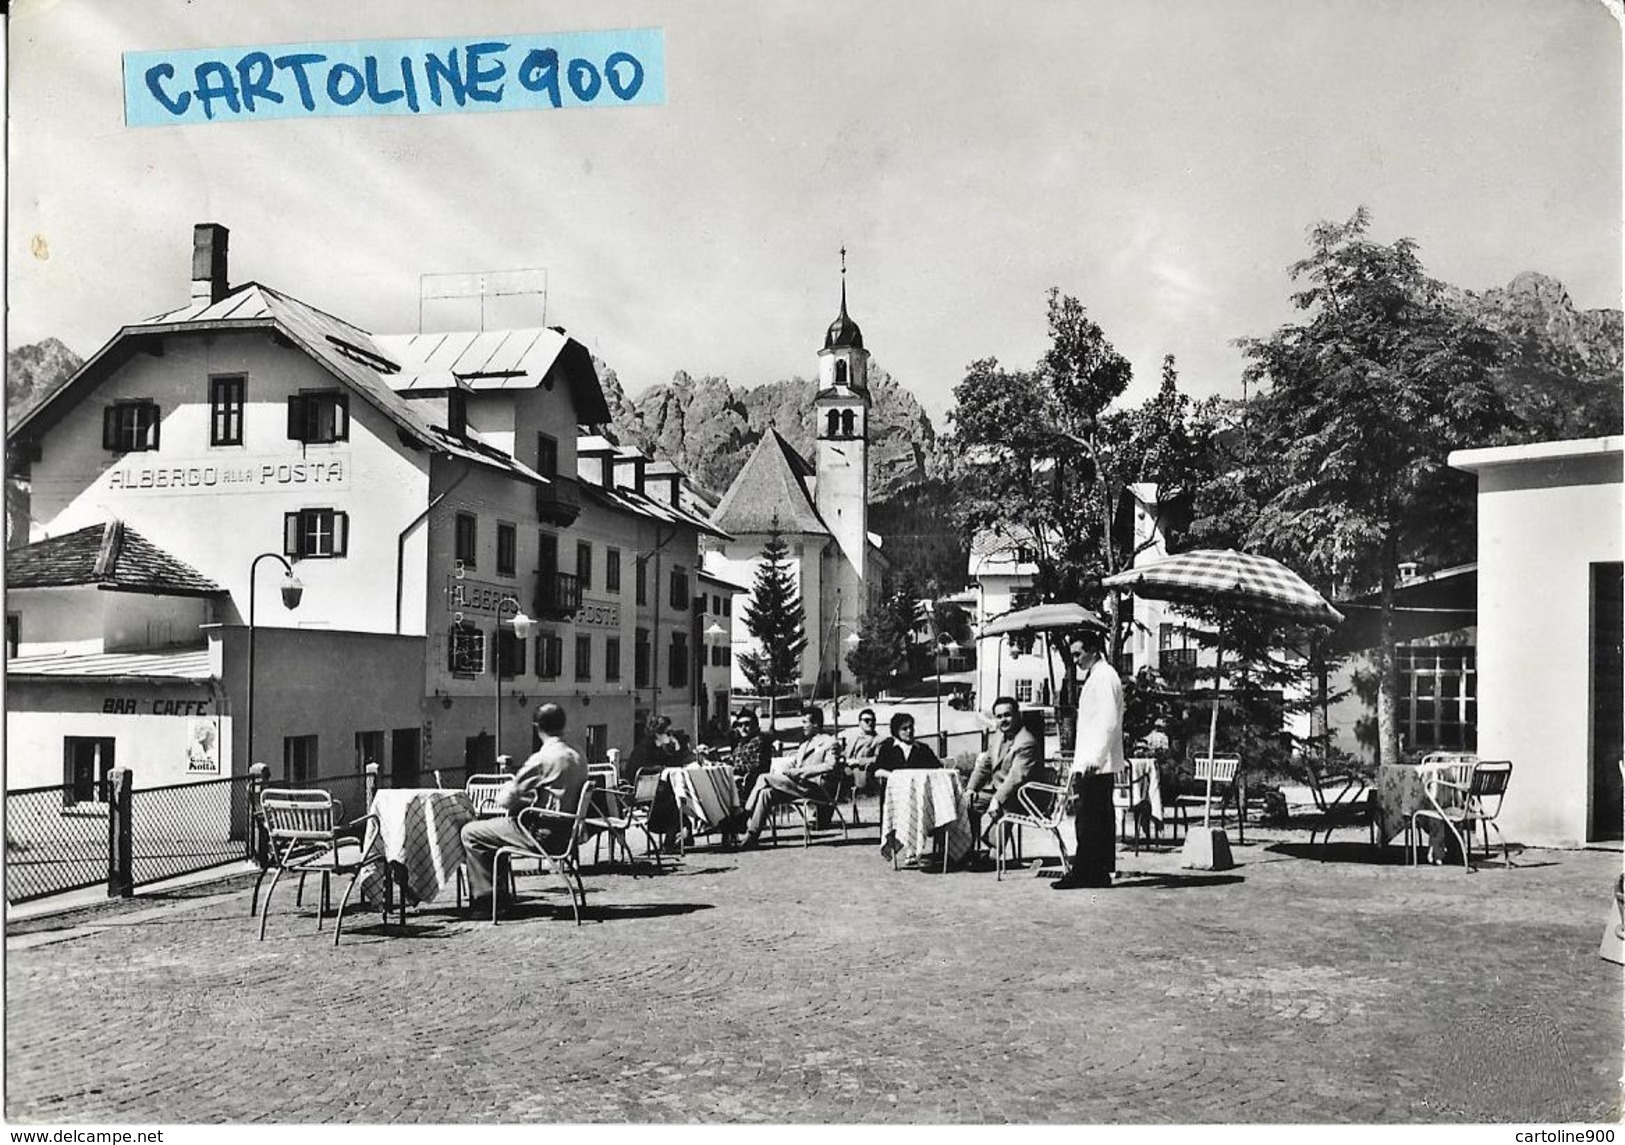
pixel 56 840
pixel 189 827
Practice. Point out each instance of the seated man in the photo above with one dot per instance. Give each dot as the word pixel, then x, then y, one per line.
pixel 814 774
pixel 1014 757
pixel 554 777
pixel 861 747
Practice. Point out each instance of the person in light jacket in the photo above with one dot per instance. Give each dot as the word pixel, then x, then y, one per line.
pixel 1096 762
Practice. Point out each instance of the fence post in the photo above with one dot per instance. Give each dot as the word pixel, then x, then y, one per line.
pixel 370 787
pixel 259 777
pixel 120 852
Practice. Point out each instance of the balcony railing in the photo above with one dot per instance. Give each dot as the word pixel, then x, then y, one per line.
pixel 558 595
pixel 559 502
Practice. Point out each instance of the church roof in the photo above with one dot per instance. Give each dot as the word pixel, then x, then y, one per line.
pixel 773 482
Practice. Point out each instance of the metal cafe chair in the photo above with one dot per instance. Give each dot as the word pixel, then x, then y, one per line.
pixel 482 792
pixel 307 837
pixel 1463 807
pixel 1043 807
pixel 563 861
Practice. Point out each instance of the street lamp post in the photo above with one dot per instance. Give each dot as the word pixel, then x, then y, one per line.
pixel 945 648
pixel 523 626
pixel 292 592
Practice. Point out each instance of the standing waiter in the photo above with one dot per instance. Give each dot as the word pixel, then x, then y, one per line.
pixel 1096 761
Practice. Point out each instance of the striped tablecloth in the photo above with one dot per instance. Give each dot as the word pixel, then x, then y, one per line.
pixel 419 831
pixel 705 793
pixel 918 804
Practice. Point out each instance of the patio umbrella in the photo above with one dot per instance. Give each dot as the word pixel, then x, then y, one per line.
pixel 1228 579
pixel 1044 618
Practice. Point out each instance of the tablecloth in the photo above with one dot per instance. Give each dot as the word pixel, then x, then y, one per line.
pixel 420 832
pixel 919 803
pixel 705 793
pixel 1402 791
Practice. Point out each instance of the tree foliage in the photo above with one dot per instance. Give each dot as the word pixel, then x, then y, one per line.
pixel 774 616
pixel 1362 404
pixel 881 656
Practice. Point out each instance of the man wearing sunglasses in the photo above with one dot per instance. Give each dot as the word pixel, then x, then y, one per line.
pixel 861 747
pixel 1014 757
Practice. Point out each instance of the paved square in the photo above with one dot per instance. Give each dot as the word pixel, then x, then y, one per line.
pixel 819 985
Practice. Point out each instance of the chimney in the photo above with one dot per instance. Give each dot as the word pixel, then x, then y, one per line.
pixel 209 263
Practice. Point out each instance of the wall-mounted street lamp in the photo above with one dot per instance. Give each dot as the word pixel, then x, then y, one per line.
pixel 293 590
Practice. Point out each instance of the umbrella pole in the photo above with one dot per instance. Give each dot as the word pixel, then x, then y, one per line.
pixel 1213 725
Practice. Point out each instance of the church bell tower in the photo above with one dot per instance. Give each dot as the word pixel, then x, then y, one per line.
pixel 841 409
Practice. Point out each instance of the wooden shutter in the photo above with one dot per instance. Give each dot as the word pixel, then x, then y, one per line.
pixel 341 417
pixel 341 534
pixel 290 534
pixel 153 412
pixel 296 417
pixel 110 428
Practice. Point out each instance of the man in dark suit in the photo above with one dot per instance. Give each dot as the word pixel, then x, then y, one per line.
pixel 1014 757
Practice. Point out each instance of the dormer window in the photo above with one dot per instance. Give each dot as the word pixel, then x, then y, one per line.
pixel 318 416
pixel 130 426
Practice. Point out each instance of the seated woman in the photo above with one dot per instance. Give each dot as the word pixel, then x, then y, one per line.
pixel 657 748
pixel 902 750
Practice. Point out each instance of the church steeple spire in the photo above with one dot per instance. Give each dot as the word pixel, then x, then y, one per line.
pixel 843 331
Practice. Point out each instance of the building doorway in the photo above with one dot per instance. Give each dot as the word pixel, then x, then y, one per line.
pixel 1607 685
pixel 405 756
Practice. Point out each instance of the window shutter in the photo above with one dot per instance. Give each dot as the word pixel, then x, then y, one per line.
pixel 110 428
pixel 296 417
pixel 341 534
pixel 451 649
pixel 290 534
pixel 341 417
pixel 152 429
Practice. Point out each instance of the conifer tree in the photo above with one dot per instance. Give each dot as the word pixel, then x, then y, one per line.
pixel 775 618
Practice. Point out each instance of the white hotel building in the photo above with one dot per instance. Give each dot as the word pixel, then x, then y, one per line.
pixel 423 487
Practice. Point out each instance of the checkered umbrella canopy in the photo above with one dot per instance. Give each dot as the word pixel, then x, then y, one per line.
pixel 1230 579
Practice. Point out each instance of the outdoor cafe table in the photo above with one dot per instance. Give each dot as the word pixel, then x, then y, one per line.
pixel 1401 792
pixel 419 833
pixel 705 793
pixel 919 804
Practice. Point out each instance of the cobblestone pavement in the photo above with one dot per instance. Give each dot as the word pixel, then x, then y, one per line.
pixel 819 985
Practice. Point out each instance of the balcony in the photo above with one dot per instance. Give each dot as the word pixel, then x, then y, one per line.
pixel 1176 660
pixel 558 503
pixel 558 595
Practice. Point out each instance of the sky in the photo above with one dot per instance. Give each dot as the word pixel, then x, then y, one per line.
pixel 1161 160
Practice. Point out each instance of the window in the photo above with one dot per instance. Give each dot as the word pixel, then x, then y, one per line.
pixel 840 373
pixel 315 533
pixel 719 655
pixel 727 606
pixel 612 658
pixel 547 455
pixel 597 742
pixel 86 760
pixel 612 570
pixel 849 423
pixel 640 659
pixel 226 410
pixel 507 543
pixel 834 420
pixel 369 748
pixel 14 632
pixel 318 416
pixel 679 587
pixel 639 568
pixel 130 427
pixel 716 605
pixel 465 650
pixel 584 563
pixel 468 539
pixel 1024 691
pixel 549 656
pixel 511 652
pixel 677 663
pixel 583 657
pixel 298 759
pixel 1026 555
pixel 1438 697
